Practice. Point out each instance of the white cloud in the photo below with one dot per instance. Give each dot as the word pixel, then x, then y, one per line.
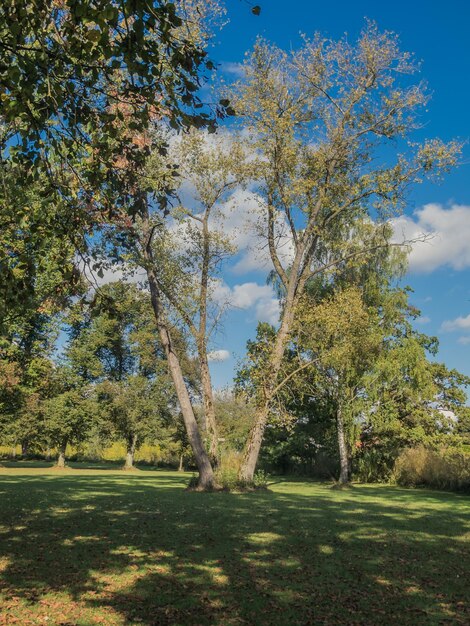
pixel 218 355
pixel 267 310
pixel 460 323
pixel 248 294
pixel 423 319
pixel 447 233
pixel 260 298
pixel 235 69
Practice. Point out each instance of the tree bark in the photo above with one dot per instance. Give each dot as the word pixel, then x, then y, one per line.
pixel 209 410
pixel 130 452
pixel 206 381
pixel 253 445
pixel 61 458
pixel 181 467
pixel 255 438
pixel 206 475
pixel 342 448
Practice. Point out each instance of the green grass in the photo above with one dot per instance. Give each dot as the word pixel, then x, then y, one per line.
pixel 90 546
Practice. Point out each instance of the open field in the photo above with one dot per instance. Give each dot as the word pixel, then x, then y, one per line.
pixel 87 546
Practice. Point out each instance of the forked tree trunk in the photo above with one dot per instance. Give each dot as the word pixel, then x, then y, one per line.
pixel 61 458
pixel 130 452
pixel 206 474
pixel 342 448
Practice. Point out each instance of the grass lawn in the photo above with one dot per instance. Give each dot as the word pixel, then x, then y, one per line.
pixel 85 546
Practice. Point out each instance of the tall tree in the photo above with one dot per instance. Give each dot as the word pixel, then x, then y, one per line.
pixel 192 248
pixel 318 118
pixel 344 337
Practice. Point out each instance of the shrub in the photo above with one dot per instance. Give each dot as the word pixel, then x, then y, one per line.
pixel 227 474
pixel 227 471
pixel 442 469
pixel 373 466
pixel 260 480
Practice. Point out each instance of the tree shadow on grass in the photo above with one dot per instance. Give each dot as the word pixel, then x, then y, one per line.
pixel 130 549
pixel 25 464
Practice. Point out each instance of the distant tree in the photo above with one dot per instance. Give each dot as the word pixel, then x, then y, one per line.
pixel 138 410
pixel 234 416
pixel 27 368
pixel 68 416
pixel 114 345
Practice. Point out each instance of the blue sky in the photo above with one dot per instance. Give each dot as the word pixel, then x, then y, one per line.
pixel 437 32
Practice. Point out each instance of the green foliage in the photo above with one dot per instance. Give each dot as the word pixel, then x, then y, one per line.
pixel 37 269
pixel 83 83
pixel 375 464
pixel 353 345
pixel 71 69
pixel 136 407
pixel 260 479
pixel 227 471
pixel 114 345
pixel 234 418
pixel 442 469
pixel 68 417
pixel 27 378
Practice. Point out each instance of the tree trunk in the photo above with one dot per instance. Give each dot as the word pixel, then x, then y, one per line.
pixel 25 448
pixel 13 451
pixel 253 445
pixel 130 453
pixel 342 447
pixel 181 467
pixel 209 411
pixel 206 474
pixel 61 457
pixel 255 438
pixel 206 381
